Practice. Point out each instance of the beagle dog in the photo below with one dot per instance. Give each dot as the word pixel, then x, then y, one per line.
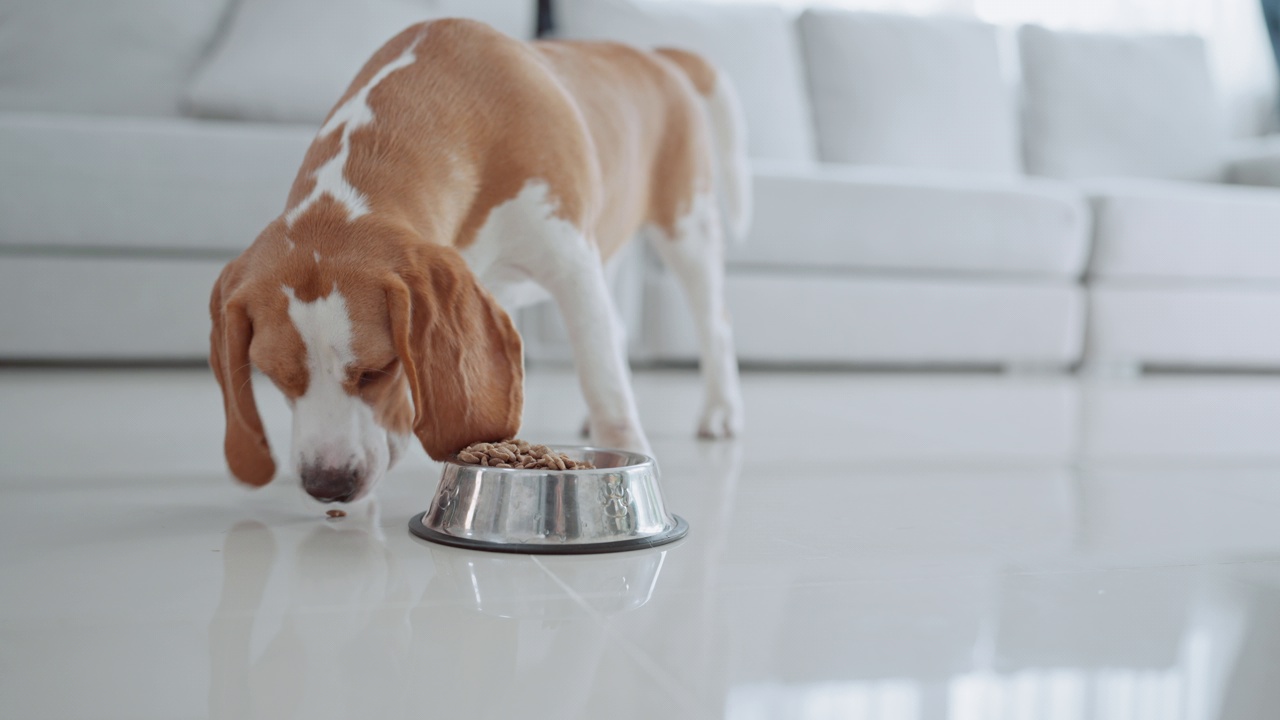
pixel 463 174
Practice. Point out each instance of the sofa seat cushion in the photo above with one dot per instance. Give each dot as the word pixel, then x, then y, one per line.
pixel 863 218
pixel 1166 229
pixel 909 91
pixel 155 184
pixel 1098 105
pixel 755 45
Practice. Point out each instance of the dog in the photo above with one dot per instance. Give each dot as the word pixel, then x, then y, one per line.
pixel 463 174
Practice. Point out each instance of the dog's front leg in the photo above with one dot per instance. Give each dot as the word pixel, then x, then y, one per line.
pixel 599 353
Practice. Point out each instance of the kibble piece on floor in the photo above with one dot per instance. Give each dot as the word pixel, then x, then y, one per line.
pixel 333 514
pixel 519 454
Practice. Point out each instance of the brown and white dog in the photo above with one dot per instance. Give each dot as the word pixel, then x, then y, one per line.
pixel 462 174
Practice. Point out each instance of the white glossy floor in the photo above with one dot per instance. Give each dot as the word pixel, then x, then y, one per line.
pixel 877 547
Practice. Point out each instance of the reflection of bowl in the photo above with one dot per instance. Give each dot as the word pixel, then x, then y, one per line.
pixel 616 506
pixel 554 589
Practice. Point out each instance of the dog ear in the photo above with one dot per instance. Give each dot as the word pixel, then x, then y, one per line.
pixel 460 350
pixel 245 445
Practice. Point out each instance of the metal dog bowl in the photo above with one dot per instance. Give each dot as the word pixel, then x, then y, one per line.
pixel 617 506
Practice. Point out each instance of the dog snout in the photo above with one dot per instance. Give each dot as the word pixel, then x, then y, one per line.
pixel 330 484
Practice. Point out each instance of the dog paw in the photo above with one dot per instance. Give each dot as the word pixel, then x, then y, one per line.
pixel 625 437
pixel 720 420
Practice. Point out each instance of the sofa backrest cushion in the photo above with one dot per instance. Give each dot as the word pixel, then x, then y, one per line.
pixel 1099 105
pixel 756 45
pixel 290 60
pixel 901 90
pixel 122 57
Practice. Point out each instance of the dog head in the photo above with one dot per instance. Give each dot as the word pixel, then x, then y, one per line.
pixel 387 336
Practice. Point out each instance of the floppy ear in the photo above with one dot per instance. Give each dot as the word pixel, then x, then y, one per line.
pixel 245 445
pixel 460 351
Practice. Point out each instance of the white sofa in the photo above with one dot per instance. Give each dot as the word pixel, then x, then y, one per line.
pixel 144 143
pixel 907 212
pixel 892 225
pixel 936 211
pixel 1185 268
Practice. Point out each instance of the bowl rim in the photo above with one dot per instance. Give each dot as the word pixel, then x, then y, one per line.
pixel 677 530
pixel 644 460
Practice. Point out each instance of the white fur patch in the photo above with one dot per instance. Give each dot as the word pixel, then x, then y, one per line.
pixel 352 115
pixel 523 239
pixel 331 428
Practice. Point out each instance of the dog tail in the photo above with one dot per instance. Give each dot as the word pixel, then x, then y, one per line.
pixel 733 167
pixel 728 137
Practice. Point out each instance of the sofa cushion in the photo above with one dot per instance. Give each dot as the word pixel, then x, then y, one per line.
pixel 1112 105
pixel 132 183
pixel 909 91
pixel 122 308
pixel 1167 229
pixel 290 60
pixel 877 219
pixel 755 45
pixel 1179 323
pixel 839 319
pixel 126 57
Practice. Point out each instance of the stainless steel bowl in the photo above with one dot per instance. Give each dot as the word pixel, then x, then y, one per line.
pixel 617 506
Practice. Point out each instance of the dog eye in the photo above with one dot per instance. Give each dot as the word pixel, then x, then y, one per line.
pixel 369 377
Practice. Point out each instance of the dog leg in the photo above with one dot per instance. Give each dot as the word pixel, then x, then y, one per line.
pixel 696 257
pixel 620 338
pixel 599 352
pixel 531 242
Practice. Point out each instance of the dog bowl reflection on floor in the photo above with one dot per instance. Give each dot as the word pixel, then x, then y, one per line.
pixel 563 587
pixel 614 507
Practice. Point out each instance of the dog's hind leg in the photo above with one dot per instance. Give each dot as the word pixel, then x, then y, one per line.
pixel 695 255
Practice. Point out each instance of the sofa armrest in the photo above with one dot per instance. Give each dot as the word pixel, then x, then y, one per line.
pixel 1255 162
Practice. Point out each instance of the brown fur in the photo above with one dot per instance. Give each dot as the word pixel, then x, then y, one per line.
pixel 615 133
pixel 700 72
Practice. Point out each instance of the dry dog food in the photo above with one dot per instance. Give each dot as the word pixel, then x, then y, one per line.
pixel 519 454
pixel 336 514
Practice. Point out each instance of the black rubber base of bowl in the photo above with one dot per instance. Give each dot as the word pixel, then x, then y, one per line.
pixel 675 533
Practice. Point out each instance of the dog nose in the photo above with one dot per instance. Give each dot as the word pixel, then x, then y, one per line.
pixel 330 484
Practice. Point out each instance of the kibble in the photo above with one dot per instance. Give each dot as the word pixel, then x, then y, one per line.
pixel 333 514
pixel 518 454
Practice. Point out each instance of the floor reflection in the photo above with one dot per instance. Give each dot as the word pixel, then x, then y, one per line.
pixel 908 594
pixel 516 586
pixel 1085 610
pixel 1119 668
pixel 331 625
pixel 301 631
